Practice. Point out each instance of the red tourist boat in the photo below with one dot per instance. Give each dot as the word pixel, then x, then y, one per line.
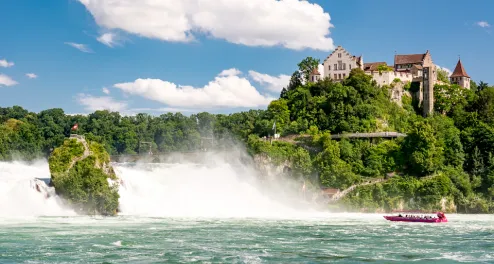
pixel 441 218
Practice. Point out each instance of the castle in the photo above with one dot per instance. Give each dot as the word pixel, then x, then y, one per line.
pixel 418 69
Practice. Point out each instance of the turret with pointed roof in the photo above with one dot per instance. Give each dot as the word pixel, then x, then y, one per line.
pixel 459 70
pixel 460 76
pixel 315 75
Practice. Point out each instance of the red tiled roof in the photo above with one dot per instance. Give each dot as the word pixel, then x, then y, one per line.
pixel 409 59
pixel 315 72
pixel 372 66
pixel 459 71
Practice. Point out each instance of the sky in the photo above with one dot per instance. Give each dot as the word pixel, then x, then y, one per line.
pixel 220 56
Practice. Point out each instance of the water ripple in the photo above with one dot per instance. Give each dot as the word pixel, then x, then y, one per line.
pixel 345 239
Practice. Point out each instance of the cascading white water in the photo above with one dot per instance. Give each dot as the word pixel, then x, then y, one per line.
pixel 24 194
pixel 217 189
pixel 195 190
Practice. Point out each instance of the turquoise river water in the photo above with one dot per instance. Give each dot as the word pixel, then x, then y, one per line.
pixel 216 213
pixel 335 238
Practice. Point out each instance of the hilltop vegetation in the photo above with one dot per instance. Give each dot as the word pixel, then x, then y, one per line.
pixel 455 145
pixel 81 176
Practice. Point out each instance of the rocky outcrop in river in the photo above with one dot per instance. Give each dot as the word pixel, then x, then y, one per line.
pixel 82 175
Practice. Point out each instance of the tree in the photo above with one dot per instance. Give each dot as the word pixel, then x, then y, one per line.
pixel 295 81
pixel 306 66
pixel 422 151
pixel 473 85
pixel 334 172
pixel 278 111
pixel 482 85
pixel 442 75
pixel 484 105
pixel 450 96
pixel 384 68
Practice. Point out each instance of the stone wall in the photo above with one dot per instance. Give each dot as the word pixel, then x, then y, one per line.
pixel 387 78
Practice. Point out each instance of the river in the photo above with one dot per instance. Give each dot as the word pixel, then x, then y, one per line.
pixel 184 213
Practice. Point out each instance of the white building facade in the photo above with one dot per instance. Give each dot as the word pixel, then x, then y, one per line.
pixel 339 63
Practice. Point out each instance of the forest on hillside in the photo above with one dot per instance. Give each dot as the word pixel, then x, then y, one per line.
pixel 455 145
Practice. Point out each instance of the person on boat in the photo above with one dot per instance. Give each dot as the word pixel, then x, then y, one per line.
pixel 400 215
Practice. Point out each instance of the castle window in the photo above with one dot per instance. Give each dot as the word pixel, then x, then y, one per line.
pixel 340 65
pixel 335 76
pixel 349 66
pixel 336 67
pixel 329 67
pixel 339 55
pixel 339 76
pixel 344 75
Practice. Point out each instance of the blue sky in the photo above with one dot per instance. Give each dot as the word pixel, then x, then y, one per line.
pixel 222 56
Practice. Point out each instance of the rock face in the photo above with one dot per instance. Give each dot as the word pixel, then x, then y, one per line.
pixel 82 175
pixel 397 91
pixel 268 169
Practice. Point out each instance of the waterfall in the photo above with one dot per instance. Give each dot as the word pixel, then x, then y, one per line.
pixel 218 189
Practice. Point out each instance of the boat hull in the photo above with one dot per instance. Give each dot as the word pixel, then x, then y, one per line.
pixel 411 219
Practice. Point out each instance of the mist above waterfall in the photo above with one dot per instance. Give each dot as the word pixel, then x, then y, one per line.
pixel 219 186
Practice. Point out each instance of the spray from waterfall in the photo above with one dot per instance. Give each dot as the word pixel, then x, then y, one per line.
pixel 25 191
pixel 211 185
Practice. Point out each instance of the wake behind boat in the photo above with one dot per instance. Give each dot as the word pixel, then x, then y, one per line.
pixel 441 218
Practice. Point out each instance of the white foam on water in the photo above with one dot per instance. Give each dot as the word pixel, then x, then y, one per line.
pixel 19 195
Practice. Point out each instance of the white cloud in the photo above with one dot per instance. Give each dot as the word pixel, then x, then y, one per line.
pixel 31 75
pixel 483 24
pixel 224 91
pixel 109 39
pixel 294 24
pixel 81 47
pixel 230 72
pixel 94 103
pixel 274 84
pixel 6 80
pixel 76 114
pixel 6 64
pixel 106 90
pixel 164 110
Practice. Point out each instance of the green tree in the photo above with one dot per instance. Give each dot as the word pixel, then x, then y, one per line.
pixel 482 86
pixel 306 66
pixel 448 97
pixel 442 75
pixel 278 111
pixel 422 152
pixel 334 172
pixel 384 68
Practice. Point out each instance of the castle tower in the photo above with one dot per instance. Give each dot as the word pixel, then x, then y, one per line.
pixel 429 79
pixel 315 76
pixel 460 76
